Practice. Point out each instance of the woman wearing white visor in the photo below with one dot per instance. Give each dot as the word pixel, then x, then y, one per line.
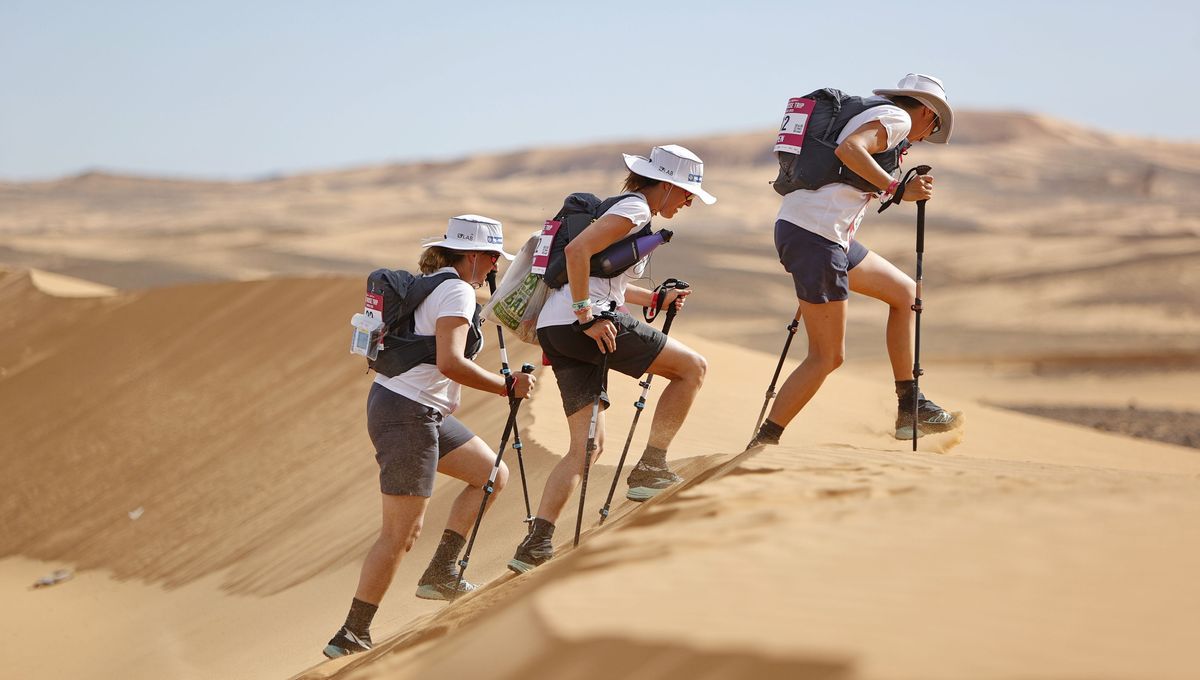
pixel 575 342
pixel 409 418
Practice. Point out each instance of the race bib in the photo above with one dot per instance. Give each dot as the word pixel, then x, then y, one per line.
pixel 795 122
pixel 541 254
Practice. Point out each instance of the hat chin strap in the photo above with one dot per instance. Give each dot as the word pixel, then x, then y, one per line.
pixel 474 268
pixel 663 201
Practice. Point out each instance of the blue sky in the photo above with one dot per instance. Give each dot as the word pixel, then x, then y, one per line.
pixel 244 89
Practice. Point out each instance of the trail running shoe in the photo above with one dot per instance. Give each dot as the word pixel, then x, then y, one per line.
pixel 646 481
pixel 931 419
pixel 535 550
pixel 443 588
pixel 346 642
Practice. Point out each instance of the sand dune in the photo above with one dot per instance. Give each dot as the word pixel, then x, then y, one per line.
pixel 181 423
pixel 243 442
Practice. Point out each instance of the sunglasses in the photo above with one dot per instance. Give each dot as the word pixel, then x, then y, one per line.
pixel 687 196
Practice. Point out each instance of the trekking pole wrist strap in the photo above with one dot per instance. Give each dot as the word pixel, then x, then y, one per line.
pixel 898 194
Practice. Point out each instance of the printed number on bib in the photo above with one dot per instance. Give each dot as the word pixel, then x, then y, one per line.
pixel 795 123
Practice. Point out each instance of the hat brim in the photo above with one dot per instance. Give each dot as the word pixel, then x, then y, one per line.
pixel 940 106
pixel 468 247
pixel 641 166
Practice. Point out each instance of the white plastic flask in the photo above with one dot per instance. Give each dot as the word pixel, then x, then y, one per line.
pixel 368 331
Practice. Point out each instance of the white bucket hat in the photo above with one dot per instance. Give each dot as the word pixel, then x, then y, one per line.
pixel 675 165
pixel 930 92
pixel 473 232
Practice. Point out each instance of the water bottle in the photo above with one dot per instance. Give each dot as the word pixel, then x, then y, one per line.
pixel 368 331
pixel 615 259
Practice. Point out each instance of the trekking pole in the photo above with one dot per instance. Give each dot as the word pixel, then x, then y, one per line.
pixel 510 427
pixel 916 307
pixel 591 440
pixel 640 404
pixel 506 372
pixel 791 329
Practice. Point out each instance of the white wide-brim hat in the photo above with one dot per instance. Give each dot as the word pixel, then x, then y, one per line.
pixel 930 92
pixel 473 232
pixel 672 164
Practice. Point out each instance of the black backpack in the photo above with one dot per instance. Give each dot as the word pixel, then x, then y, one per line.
pixel 399 293
pixel 579 210
pixel 817 165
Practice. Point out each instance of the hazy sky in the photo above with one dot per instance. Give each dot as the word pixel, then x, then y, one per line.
pixel 223 89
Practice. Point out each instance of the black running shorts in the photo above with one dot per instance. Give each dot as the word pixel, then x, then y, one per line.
pixel 819 267
pixel 576 358
pixel 409 439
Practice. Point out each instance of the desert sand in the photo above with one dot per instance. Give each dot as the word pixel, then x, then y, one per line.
pixel 181 424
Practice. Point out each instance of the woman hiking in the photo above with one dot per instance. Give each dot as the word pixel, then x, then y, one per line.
pixel 815 236
pixel 410 421
pixel 575 340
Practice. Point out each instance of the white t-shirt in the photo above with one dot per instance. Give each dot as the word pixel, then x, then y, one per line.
pixel 424 383
pixel 557 310
pixel 835 210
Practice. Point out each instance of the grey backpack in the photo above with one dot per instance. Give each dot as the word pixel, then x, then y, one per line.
pixel 817 165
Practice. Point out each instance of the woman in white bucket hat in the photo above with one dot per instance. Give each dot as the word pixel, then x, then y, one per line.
pixel 815 236
pixel 661 185
pixel 410 421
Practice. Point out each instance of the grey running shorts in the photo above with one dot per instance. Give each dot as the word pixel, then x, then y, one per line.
pixel 409 440
pixel 575 359
pixel 819 267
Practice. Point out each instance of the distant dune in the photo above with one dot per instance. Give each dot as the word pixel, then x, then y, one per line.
pixel 186 432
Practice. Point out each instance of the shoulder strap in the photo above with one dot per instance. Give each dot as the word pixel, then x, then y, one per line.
pixel 609 202
pixel 421 288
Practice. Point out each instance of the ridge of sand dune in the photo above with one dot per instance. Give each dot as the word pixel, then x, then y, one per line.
pixel 68 286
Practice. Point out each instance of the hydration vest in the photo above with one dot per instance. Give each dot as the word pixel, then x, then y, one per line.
pixel 578 212
pixel 817 163
pixel 397 294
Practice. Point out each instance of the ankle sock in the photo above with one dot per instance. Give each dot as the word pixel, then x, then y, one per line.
pixel 358 621
pixel 904 393
pixel 655 457
pixel 769 433
pixel 445 558
pixel 541 529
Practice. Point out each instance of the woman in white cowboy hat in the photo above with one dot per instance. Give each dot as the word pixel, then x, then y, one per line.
pixel 409 418
pixel 660 185
pixel 816 240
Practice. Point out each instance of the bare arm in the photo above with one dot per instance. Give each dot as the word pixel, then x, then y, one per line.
pixel 640 296
pixel 451 333
pixel 855 153
pixel 596 237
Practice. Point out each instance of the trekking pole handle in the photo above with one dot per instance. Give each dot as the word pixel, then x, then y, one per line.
pixel 921 170
pixel 491 282
pixel 527 368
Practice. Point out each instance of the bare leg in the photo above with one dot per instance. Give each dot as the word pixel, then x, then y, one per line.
pixel 566 475
pixel 685 369
pixel 825 325
pixel 876 277
pixel 472 462
pixel 402 516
